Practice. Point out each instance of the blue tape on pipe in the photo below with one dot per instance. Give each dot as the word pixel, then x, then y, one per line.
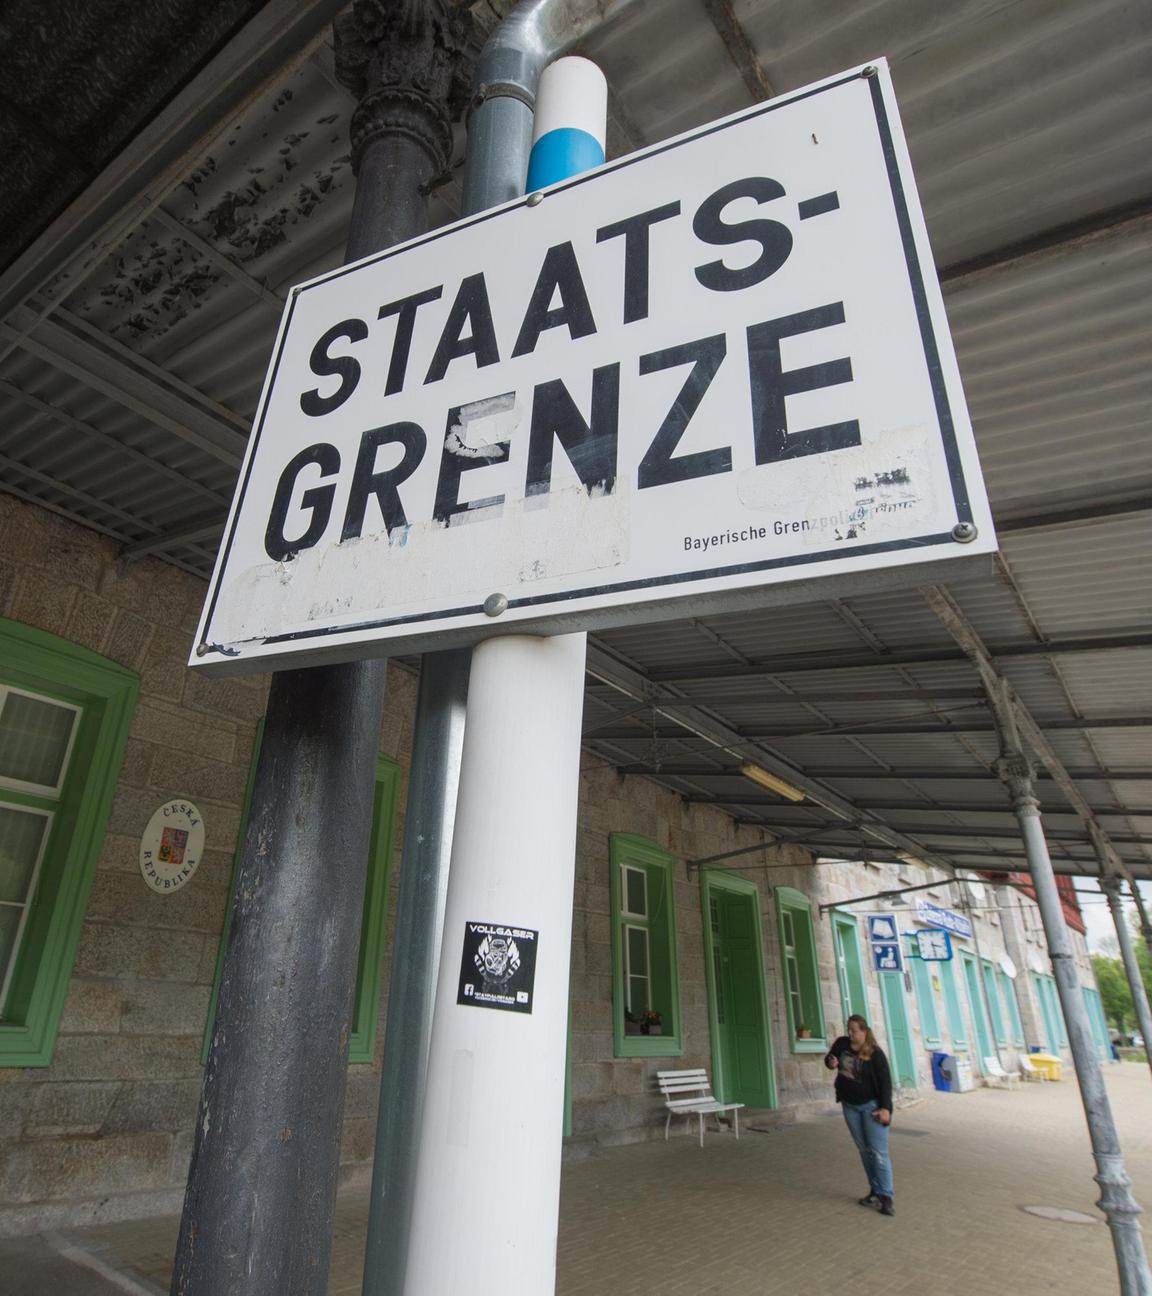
pixel 562 153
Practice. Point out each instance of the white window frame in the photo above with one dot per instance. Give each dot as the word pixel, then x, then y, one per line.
pixel 647 977
pixel 25 905
pixel 42 789
pixel 625 912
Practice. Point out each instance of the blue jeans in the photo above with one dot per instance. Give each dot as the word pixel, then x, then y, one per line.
pixel 871 1139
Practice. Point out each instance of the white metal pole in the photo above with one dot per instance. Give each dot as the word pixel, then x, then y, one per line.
pixel 487 1192
pixel 488 1174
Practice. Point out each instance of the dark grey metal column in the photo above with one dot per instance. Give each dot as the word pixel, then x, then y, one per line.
pixel 262 1185
pixel 1110 885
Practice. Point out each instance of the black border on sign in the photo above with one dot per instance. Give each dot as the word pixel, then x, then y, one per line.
pixel 927 337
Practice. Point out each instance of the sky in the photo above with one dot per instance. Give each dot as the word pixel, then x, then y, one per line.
pixel 1097 915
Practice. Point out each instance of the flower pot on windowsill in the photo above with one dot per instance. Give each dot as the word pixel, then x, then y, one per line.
pixel 803 1032
pixel 655 1029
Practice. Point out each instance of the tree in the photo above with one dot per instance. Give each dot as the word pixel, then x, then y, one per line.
pixel 1114 991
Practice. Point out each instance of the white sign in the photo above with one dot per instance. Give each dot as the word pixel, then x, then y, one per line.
pixel 689 381
pixel 171 846
pixel 932 914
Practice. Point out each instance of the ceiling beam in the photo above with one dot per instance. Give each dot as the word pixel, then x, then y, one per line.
pixel 190 533
pixel 928 655
pixel 896 774
pixel 643 729
pixel 220 260
pixel 910 807
pixel 1031 732
pixel 1132 217
pixel 1090 511
pixel 634 684
pixel 740 49
pixel 62 511
pixel 109 374
pixel 122 451
pixel 791 699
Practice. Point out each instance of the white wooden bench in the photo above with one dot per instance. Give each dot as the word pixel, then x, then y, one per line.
pixel 689 1093
pixel 995 1077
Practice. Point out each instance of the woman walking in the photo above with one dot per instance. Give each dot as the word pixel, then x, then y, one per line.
pixel 864 1092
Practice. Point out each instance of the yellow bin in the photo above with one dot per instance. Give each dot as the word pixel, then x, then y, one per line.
pixel 1048 1063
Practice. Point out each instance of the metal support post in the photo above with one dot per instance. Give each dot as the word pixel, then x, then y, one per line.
pixel 1141 913
pixel 1116 1201
pixel 1110 885
pixel 262 1185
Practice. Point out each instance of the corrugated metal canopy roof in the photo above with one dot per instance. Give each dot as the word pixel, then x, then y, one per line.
pixel 132 363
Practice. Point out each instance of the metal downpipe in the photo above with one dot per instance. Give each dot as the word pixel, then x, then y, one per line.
pixel 504 91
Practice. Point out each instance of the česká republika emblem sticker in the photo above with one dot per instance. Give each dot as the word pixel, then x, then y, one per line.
pixel 497 967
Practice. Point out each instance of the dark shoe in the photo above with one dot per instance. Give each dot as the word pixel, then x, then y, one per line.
pixel 871 1200
pixel 886 1207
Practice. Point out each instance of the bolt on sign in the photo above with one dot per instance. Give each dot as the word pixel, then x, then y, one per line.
pixel 693 380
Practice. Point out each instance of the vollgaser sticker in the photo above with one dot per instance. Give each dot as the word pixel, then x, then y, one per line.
pixel 497 967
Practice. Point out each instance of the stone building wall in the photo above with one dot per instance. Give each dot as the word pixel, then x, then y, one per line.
pixel 104 1131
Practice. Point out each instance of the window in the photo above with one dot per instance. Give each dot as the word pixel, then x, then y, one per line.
pixel 64 719
pixel 365 1009
pixel 645 992
pixel 801 971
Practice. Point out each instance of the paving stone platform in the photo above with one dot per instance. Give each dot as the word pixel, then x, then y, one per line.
pixel 774 1213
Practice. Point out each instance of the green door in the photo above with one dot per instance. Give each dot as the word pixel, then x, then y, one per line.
pixel 741 1051
pixel 976 1008
pixel 899 1032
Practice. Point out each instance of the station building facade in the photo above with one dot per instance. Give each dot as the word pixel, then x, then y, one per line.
pixel 741 966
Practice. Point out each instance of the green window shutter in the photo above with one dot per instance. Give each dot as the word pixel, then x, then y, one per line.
pixel 994 1003
pixel 1009 989
pixel 643 902
pixel 365 1010
pixel 926 999
pixel 849 968
pixel 800 970
pixel 64 721
pixel 957 1031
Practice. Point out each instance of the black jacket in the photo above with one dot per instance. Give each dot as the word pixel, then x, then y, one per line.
pixel 859 1081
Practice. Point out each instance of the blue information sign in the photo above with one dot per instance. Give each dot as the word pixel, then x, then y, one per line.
pixel 886 956
pixel 882 927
